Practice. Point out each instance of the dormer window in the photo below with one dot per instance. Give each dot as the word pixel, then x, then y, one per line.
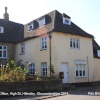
pixel 1 30
pixel 30 26
pixel 42 22
pixel 66 21
pixel 98 53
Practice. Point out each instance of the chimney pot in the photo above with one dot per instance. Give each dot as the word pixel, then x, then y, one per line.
pixel 6 15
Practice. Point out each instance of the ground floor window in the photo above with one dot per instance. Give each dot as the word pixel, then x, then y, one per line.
pixel 44 68
pixel 80 70
pixel 32 69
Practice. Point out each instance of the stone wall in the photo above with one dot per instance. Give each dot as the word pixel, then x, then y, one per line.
pixel 31 86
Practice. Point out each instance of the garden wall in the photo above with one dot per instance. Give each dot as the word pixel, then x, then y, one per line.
pixel 31 86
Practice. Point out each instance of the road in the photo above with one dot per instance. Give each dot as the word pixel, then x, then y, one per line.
pixel 86 95
pixel 77 96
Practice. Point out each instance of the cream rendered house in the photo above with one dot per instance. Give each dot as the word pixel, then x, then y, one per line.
pixel 54 39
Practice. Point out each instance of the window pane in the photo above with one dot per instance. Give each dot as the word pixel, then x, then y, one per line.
pixel 77 43
pixel 31 27
pixel 83 67
pixel 84 73
pixel 80 73
pixel 0 53
pixel 45 38
pixel 70 42
pixel 76 67
pixel 44 43
pixel 0 47
pixel 42 22
pixel 4 47
pixel 4 54
pixel 66 21
pixel 79 67
pixel 76 73
pixel 42 39
pixel 32 69
pixel 44 68
pixel 45 46
pixel 23 48
pixel 74 43
pixel 43 73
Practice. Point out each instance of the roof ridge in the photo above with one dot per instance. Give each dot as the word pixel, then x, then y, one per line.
pixel 12 21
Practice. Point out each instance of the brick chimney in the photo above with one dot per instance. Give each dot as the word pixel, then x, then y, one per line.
pixel 6 15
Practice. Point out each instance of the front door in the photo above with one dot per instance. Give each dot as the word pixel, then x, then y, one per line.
pixel 65 70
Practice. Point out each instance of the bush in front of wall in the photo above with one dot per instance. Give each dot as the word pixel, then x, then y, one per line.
pixel 12 73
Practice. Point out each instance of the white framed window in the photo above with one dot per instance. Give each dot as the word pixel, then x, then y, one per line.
pixel 1 30
pixel 98 53
pixel 42 22
pixel 66 21
pixel 32 69
pixel 3 51
pixel 74 43
pixel 80 70
pixel 30 26
pixel 22 48
pixel 44 43
pixel 44 68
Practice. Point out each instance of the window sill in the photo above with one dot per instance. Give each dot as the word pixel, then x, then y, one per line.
pixel 22 54
pixel 30 30
pixel 43 49
pixel 3 57
pixel 81 77
pixel 75 48
pixel 41 26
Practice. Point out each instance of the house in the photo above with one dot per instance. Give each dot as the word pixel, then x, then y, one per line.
pixel 51 40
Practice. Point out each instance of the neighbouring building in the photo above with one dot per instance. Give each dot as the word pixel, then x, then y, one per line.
pixel 53 39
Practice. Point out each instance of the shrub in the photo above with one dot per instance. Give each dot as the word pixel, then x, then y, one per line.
pixel 12 72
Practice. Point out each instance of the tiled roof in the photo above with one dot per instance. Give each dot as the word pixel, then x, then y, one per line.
pixel 95 48
pixel 95 45
pixel 49 25
pixel 13 32
pixel 71 29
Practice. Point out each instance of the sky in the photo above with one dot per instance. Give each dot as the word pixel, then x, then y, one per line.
pixel 84 13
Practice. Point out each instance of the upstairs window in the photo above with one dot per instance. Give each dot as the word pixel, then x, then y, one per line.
pixel 41 22
pixel 66 21
pixel 30 26
pixel 32 69
pixel 74 43
pixel 44 68
pixel 44 43
pixel 3 51
pixel 1 30
pixel 22 48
